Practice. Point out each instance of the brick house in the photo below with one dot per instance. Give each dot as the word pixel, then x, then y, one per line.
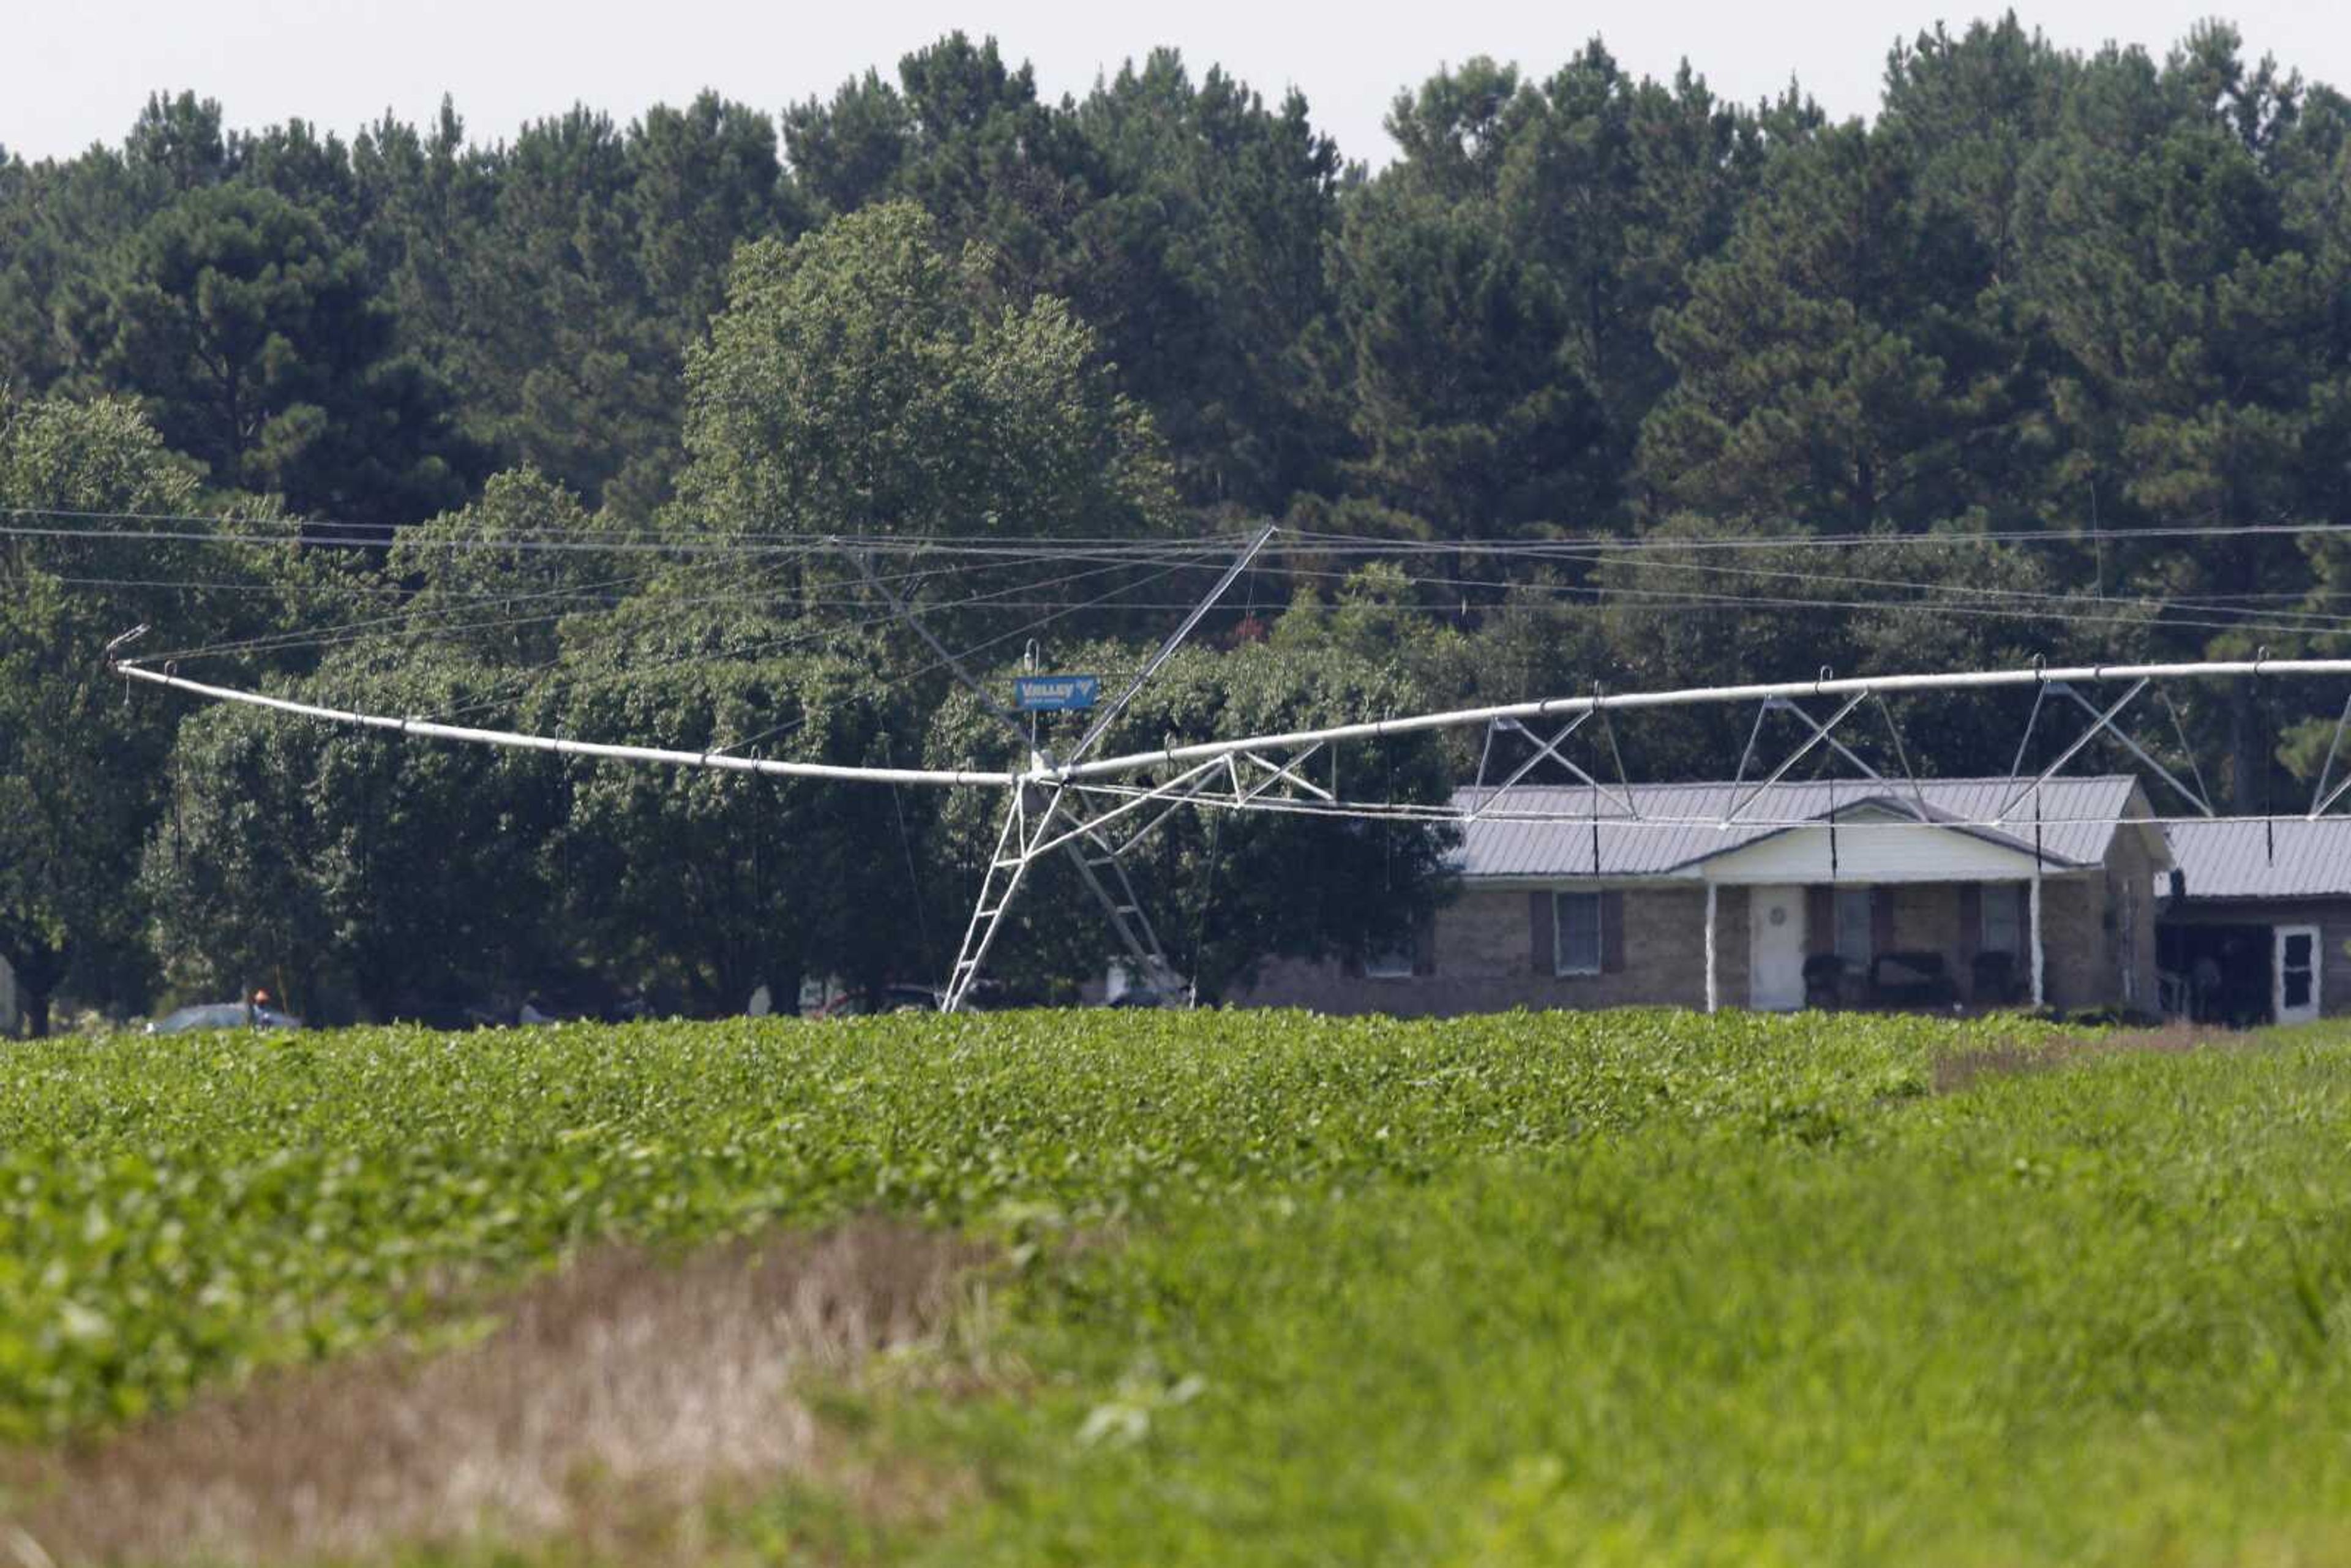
pixel 1819 894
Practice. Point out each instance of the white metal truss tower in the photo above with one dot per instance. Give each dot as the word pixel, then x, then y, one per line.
pixel 1039 819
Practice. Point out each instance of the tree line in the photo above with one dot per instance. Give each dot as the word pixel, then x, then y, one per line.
pixel 2057 346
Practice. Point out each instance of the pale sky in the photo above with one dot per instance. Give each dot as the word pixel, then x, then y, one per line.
pixel 72 73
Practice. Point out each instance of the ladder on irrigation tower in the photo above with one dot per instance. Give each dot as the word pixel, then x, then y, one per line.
pixel 1038 820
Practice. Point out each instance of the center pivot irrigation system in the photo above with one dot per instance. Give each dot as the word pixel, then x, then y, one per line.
pixel 1095 810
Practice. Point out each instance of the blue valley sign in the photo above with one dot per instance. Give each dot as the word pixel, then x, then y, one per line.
pixel 1054 694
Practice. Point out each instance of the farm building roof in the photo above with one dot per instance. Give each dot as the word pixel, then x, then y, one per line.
pixel 1671 827
pixel 2235 860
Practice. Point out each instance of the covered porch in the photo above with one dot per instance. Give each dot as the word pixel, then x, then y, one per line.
pixel 1778 946
pixel 1885 908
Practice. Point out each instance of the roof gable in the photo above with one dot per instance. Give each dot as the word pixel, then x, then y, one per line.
pixel 1872 844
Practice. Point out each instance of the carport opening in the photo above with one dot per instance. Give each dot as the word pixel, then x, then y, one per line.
pixel 2226 969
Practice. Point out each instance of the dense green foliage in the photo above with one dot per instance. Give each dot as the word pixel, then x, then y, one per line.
pixel 1570 300
pixel 79 775
pixel 1620 1288
pixel 866 381
pixel 262 352
pixel 2090 1316
pixel 174 1210
pixel 2040 313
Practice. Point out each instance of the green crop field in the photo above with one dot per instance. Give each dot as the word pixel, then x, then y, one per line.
pixel 1620 1288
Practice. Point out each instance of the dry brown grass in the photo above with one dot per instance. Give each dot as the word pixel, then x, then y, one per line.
pixel 613 1396
pixel 1962 1070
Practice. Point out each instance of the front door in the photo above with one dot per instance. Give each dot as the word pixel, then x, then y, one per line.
pixel 2297 968
pixel 1775 948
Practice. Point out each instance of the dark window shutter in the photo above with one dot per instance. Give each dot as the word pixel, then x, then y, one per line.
pixel 1424 944
pixel 1819 920
pixel 1970 922
pixel 1881 920
pixel 1612 932
pixel 1544 957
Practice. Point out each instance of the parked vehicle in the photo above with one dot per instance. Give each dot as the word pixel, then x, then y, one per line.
pixel 894 999
pixel 223 1015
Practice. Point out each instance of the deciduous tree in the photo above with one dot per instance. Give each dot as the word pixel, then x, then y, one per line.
pixel 870 379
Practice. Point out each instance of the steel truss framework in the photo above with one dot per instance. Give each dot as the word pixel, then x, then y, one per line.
pixel 1096 811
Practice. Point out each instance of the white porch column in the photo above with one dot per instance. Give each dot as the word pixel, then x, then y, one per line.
pixel 2040 984
pixel 1712 998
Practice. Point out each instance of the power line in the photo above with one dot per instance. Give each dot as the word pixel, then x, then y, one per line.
pixel 2202 601
pixel 1307 540
pixel 948 662
pixel 590 539
pixel 2160 614
pixel 796 636
pixel 2065 605
pixel 2075 610
pixel 1294 542
pixel 423 612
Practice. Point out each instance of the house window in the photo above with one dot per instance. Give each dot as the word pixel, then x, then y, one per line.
pixel 1575 934
pixel 2003 918
pixel 1394 962
pixel 1854 938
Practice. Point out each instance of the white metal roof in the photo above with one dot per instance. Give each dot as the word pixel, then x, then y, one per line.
pixel 1671 828
pixel 2235 859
